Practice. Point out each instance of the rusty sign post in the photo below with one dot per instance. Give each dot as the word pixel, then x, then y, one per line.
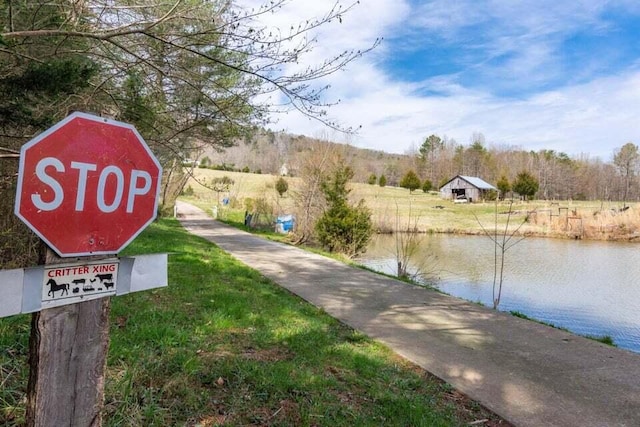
pixel 87 186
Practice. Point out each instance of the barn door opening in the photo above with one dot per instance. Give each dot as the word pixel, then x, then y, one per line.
pixel 459 193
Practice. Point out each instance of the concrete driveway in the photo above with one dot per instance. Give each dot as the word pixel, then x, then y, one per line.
pixel 530 374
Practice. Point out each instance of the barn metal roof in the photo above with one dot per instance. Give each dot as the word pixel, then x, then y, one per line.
pixel 478 182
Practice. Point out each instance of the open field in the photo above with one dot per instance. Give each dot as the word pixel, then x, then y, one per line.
pixel 222 345
pixel 395 208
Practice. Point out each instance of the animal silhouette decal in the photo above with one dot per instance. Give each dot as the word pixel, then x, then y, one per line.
pixel 55 287
pixel 74 283
pixel 102 277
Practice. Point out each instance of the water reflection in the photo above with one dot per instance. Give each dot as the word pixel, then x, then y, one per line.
pixel 590 288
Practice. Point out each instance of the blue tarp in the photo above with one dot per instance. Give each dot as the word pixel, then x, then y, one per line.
pixel 284 223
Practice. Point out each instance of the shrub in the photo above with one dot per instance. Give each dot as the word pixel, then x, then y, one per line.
pixel 205 162
pixel 503 186
pixel 382 181
pixel 282 186
pixel 372 179
pixel 262 213
pixel 491 195
pixel 188 191
pixel 345 229
pixel 427 186
pixel 342 227
pixel 221 185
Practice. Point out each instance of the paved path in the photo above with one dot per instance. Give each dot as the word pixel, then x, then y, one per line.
pixel 530 374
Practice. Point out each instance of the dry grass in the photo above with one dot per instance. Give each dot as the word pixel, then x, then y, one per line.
pixel 598 223
pixel 394 207
pixel 245 186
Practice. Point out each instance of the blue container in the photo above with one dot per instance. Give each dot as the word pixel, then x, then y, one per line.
pixel 284 223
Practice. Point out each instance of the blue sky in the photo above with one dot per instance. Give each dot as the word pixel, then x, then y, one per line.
pixel 561 75
pixel 496 49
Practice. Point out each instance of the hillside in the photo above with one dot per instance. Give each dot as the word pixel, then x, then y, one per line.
pixel 268 152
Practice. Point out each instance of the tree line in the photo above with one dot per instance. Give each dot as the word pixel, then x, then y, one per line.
pixel 559 176
pixel 438 159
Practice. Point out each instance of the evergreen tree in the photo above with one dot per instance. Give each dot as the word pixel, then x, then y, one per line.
pixel 343 228
pixel 382 181
pixel 525 185
pixel 410 181
pixel 282 186
pixel 504 186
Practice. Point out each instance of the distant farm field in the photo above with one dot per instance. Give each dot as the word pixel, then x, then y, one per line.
pixel 394 208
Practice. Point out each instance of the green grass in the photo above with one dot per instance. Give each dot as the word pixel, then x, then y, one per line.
pixel 604 339
pixel 520 315
pixel 224 345
pixel 524 316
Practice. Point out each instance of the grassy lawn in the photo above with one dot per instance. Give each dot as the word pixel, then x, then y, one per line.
pixel 394 207
pixel 223 345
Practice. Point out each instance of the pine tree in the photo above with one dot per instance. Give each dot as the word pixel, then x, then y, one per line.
pixel 343 228
pixel 525 185
pixel 410 181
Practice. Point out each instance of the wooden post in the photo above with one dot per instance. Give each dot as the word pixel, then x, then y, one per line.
pixel 67 359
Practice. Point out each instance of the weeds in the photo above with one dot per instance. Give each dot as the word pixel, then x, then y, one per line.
pixel 524 316
pixel 604 339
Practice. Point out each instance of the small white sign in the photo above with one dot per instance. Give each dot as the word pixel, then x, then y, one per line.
pixel 46 286
pixel 71 283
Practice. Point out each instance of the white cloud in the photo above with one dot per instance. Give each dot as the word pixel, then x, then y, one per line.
pixel 594 116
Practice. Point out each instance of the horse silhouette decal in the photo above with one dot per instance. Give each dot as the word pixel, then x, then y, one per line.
pixel 55 287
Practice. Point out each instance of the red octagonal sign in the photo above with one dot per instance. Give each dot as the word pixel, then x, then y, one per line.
pixel 88 185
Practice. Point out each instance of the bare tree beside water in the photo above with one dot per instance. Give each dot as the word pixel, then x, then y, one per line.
pixel 503 239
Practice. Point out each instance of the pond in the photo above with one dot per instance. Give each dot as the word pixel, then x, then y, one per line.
pixel 591 288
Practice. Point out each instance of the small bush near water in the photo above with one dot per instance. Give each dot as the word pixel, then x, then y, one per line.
pixel 222 345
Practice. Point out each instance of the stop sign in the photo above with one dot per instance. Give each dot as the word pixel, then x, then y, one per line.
pixel 88 185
